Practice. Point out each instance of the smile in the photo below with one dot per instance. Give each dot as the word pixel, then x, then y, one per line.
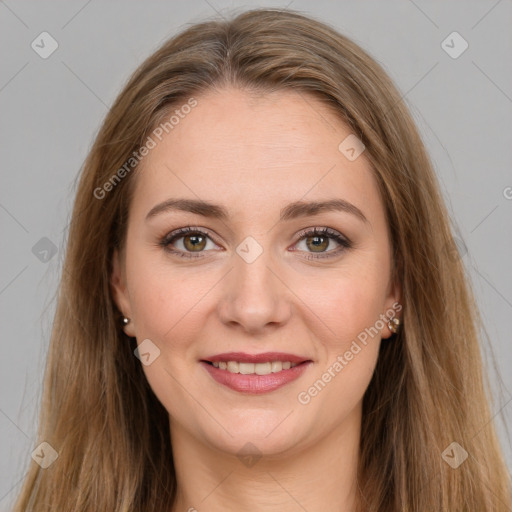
pixel 255 374
pixel 254 368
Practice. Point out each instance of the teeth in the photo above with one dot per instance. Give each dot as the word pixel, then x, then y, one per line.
pixel 277 366
pixel 254 368
pixel 233 367
pixel 263 368
pixel 246 368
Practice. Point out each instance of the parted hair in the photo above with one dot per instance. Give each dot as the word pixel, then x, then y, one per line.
pixel 430 386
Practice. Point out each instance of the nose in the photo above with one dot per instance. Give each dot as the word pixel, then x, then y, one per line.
pixel 255 297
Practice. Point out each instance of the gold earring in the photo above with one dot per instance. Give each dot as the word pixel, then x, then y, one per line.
pixel 393 325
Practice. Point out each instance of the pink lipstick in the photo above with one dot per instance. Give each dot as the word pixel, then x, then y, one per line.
pixel 255 373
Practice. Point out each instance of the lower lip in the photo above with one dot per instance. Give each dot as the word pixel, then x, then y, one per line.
pixel 255 384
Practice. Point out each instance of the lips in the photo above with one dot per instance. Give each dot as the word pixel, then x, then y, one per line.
pixel 255 373
pixel 242 357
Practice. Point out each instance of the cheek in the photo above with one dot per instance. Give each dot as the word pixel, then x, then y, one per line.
pixel 349 347
pixel 345 305
pixel 168 304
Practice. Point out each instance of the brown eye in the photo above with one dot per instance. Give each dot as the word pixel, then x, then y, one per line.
pixel 317 243
pixel 188 242
pixel 195 243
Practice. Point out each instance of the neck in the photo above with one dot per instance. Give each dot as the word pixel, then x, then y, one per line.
pixel 322 475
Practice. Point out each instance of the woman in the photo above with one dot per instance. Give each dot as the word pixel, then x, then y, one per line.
pixel 260 308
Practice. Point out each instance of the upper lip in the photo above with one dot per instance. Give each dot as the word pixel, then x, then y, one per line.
pixel 264 357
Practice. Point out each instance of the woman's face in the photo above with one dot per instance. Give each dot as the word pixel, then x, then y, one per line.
pixel 258 288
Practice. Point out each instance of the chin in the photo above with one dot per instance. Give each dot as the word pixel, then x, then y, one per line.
pixel 253 443
pixel 269 432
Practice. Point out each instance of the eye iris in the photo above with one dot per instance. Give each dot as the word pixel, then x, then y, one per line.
pixel 198 242
pixel 316 243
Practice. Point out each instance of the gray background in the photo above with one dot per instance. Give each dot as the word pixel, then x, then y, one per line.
pixel 52 108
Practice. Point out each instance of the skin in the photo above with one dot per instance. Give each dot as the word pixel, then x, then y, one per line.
pixel 254 155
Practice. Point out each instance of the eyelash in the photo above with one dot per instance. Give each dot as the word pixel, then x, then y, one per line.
pixel 324 232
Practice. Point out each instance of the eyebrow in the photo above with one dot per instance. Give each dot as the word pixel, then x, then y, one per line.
pixel 291 211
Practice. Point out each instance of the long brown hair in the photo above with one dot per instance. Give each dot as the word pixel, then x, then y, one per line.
pixel 429 388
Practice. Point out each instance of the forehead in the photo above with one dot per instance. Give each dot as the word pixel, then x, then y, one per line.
pixel 253 152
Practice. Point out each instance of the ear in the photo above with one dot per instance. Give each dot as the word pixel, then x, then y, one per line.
pixel 393 305
pixel 120 292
